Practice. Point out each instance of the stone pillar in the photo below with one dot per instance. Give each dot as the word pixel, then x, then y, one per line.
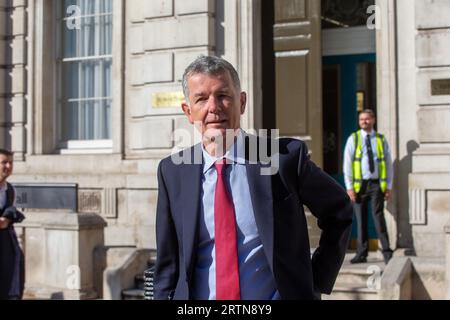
pixel 59 254
pixel 447 260
pixel 3 70
pixel 429 182
pixel 18 56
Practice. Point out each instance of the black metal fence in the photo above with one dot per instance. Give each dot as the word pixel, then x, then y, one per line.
pixel 148 283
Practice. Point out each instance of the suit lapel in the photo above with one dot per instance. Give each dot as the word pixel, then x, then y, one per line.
pixel 191 189
pixel 261 195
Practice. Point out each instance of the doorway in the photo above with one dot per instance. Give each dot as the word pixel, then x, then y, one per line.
pixel 318 70
pixel 349 86
pixel 348 83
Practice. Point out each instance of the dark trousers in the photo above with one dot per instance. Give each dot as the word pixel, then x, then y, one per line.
pixel 370 193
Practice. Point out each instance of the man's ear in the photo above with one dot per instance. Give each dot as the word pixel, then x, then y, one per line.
pixel 187 111
pixel 243 100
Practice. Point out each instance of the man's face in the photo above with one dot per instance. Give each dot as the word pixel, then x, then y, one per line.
pixel 215 104
pixel 366 121
pixel 6 167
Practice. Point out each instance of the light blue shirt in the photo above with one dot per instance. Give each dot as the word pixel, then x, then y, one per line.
pixel 255 277
pixel 349 154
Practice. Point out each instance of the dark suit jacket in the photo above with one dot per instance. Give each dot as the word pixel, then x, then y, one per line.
pixel 12 268
pixel 278 205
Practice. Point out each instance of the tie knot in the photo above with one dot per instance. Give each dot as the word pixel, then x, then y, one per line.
pixel 220 166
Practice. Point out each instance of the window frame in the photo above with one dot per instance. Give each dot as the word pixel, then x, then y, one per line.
pixel 78 146
pixel 46 132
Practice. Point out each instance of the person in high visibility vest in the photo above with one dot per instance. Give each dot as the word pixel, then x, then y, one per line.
pixel 368 175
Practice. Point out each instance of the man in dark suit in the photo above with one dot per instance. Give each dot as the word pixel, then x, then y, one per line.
pixel 225 229
pixel 12 268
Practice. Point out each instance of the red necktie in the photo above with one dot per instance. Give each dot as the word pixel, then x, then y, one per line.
pixel 227 270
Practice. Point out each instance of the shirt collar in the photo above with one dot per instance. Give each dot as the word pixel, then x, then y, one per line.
pixel 364 133
pixel 236 153
pixel 3 187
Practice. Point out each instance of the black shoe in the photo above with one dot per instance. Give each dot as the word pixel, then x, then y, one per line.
pixel 387 256
pixel 358 259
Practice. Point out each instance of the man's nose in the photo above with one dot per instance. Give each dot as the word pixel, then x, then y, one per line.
pixel 213 105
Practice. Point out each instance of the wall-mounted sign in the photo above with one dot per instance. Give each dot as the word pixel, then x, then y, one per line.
pixel 167 99
pixel 440 87
pixel 46 196
pixel 360 103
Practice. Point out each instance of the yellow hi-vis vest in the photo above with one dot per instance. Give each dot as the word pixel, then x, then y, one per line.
pixel 357 171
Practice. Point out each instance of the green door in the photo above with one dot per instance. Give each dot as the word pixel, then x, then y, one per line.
pixel 349 85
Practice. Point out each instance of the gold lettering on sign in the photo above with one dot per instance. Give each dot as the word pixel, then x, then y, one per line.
pixel 167 99
pixel 440 87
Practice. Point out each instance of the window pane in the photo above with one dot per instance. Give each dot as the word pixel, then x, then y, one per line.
pixel 87 99
pixel 87 79
pixel 87 120
pixel 93 38
pixel 86 66
pixel 88 7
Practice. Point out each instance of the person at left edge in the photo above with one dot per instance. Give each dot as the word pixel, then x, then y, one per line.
pixel 274 254
pixel 12 269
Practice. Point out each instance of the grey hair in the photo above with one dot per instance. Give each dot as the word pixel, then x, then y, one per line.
pixel 210 65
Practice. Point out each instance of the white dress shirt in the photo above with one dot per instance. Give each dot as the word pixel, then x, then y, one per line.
pixel 3 195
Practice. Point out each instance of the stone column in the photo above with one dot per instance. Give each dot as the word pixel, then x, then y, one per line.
pixel 59 254
pixel 19 32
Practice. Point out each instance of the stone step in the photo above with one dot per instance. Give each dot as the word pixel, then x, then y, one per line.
pixel 139 281
pixel 358 281
pixel 138 292
pixel 358 276
pixel 352 292
pixel 358 273
pixel 133 294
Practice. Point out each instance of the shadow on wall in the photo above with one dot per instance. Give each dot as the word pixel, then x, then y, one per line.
pixel 419 291
pixel 402 169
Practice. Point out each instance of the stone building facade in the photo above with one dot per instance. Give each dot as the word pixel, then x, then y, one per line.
pixel 143 48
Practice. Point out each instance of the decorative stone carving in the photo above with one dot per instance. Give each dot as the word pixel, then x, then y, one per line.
pixel 109 203
pixel 100 201
pixel 90 201
pixel 417 206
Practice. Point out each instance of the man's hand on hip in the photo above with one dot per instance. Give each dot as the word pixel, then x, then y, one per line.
pixel 387 195
pixel 4 223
